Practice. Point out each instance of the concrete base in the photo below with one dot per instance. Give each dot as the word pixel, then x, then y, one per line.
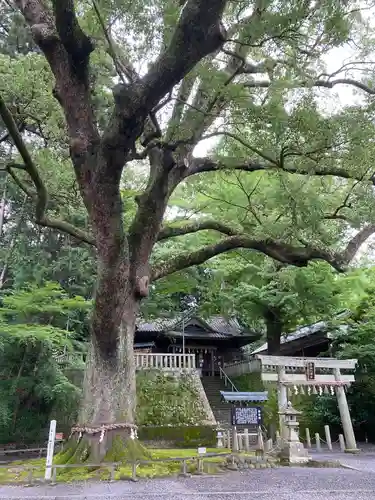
pixel 355 451
pixel 294 453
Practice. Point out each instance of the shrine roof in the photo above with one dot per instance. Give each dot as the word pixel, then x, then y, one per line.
pixel 306 332
pixel 217 327
pixel 232 396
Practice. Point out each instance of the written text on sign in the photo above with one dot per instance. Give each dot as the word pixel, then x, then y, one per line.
pixel 247 415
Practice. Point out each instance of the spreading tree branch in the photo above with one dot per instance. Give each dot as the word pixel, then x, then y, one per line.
pixel 199 165
pixel 77 44
pixel 198 33
pixel 329 84
pixel 121 66
pixel 356 242
pixel 193 227
pixel 278 250
pixel 282 252
pixel 67 50
pixel 40 193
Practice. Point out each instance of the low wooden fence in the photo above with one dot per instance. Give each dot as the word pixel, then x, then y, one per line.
pixel 9 453
pixel 112 466
pixel 245 439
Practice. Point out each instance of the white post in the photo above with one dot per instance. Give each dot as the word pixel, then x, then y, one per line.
pixel 183 334
pixel 246 439
pixel 260 439
pixel 234 439
pixel 328 437
pixel 308 438
pixel 345 414
pixel 240 443
pixel 317 441
pixel 220 440
pixel 269 445
pixel 342 442
pixel 50 450
pixel 278 438
pixel 282 398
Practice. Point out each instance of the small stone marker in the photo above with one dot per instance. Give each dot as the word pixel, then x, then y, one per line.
pixel 317 441
pixel 246 439
pixel 328 437
pixel 342 442
pixel 268 445
pixel 308 438
pixel 202 451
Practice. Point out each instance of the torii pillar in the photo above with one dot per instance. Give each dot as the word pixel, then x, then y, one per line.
pixel 347 426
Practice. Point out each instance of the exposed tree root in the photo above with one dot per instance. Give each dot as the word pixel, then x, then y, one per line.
pixel 118 447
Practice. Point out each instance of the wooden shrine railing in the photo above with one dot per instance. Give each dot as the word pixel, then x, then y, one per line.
pixel 146 361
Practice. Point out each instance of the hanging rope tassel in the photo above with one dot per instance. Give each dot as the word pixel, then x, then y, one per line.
pixel 102 435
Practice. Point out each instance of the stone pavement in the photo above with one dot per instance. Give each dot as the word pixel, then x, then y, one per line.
pixel 364 462
pixel 269 484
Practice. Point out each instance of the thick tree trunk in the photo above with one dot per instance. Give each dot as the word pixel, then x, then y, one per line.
pixel 109 385
pixel 106 424
pixel 274 327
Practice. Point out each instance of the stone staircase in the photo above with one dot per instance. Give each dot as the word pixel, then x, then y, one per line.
pixel 220 409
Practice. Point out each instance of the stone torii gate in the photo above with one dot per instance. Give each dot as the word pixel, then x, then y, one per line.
pixel 310 376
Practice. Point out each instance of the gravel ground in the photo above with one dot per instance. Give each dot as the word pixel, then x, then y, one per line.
pixel 269 484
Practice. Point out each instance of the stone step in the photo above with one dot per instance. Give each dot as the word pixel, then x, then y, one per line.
pixel 220 409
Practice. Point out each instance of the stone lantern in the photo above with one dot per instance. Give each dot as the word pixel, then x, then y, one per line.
pixel 292 450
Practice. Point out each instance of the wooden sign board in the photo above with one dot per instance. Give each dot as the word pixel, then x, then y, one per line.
pixel 247 415
pixel 310 370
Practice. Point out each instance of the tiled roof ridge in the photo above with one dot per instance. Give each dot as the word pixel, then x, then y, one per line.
pixel 215 322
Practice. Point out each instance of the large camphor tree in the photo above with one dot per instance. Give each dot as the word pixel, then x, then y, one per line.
pixel 186 71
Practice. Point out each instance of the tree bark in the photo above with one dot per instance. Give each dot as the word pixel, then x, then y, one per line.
pixel 108 405
pixel 274 327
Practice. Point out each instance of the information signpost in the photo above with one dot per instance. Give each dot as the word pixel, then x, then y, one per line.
pixel 50 450
pixel 247 415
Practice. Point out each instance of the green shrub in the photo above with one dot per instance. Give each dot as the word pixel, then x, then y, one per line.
pixel 180 436
pixel 165 399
